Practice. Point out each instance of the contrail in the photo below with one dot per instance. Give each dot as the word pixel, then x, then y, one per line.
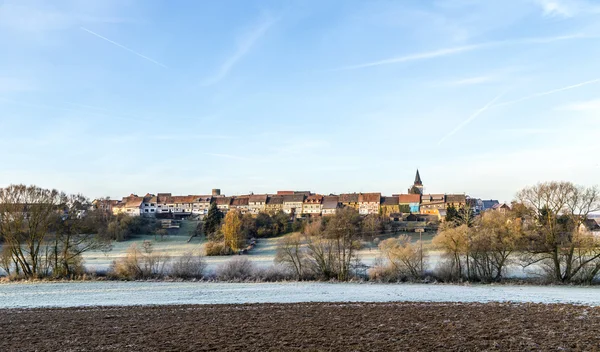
pixel 491 104
pixel 529 97
pixel 460 49
pixel 244 47
pixel 124 47
pixel 471 118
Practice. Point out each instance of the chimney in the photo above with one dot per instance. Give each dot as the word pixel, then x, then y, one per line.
pixel 216 192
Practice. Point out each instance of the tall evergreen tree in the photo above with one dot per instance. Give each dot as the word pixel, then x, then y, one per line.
pixel 212 221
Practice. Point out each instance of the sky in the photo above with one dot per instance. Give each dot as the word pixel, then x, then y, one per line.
pixel 113 97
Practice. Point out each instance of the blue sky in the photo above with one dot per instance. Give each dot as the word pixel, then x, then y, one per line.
pixel 119 96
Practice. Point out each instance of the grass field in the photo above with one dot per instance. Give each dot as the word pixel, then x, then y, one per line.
pixel 176 244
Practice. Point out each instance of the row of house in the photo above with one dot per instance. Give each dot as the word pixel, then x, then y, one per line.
pixel 298 203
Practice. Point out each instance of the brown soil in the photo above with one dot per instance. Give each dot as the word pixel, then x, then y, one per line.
pixel 305 326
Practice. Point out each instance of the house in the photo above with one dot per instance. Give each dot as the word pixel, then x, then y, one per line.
pixel 432 203
pixel 396 217
pixel 240 204
pixel 349 200
pixel 330 205
pixel 409 202
pixel 591 225
pixel 131 205
pixel 105 205
pixel 223 203
pixel 503 208
pixel 149 206
pixel 257 203
pixel 389 205
pixel 368 203
pixel 312 205
pixel 489 204
pixel 274 204
pixel 292 204
pixel 201 204
pixel 456 200
pixel 476 204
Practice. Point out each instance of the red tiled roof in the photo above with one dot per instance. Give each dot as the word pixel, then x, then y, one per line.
pixel 409 198
pixel 369 197
pixel 314 199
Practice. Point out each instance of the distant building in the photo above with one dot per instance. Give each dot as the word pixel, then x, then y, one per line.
pixel 503 208
pixel 257 203
pixel 368 203
pixel 240 204
pixel 131 205
pixel 149 205
pixel 389 205
pixel 456 200
pixel 432 203
pixel 330 205
pixel 417 187
pixel 312 205
pixel 223 204
pixel 349 200
pixel 489 204
pixel 412 201
pixel 292 204
pixel 274 204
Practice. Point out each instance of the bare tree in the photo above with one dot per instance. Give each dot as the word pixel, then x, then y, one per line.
pixel 556 212
pixel 291 253
pixel 453 241
pixel 492 244
pixel 74 234
pixel 26 214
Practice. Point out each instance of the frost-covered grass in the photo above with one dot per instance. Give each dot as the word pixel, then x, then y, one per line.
pixel 74 294
pixel 176 245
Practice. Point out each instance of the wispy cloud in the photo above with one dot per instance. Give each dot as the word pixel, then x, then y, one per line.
pixel 124 47
pixel 471 118
pixel 556 8
pixel 470 81
pixel 244 46
pixel 549 92
pixel 461 49
pixel 567 8
pixel 39 17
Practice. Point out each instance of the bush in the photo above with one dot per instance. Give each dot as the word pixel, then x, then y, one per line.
pixel 140 263
pixel 236 269
pixel 213 248
pixel 273 273
pixel 189 266
pixel 385 273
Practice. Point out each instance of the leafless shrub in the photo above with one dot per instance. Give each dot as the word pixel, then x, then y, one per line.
pixel 236 269
pixel 189 266
pixel 140 263
pixel 273 273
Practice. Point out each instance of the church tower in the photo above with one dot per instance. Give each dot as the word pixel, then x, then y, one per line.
pixel 417 187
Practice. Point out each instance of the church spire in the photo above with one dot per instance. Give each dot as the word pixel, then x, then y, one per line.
pixel 418 181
